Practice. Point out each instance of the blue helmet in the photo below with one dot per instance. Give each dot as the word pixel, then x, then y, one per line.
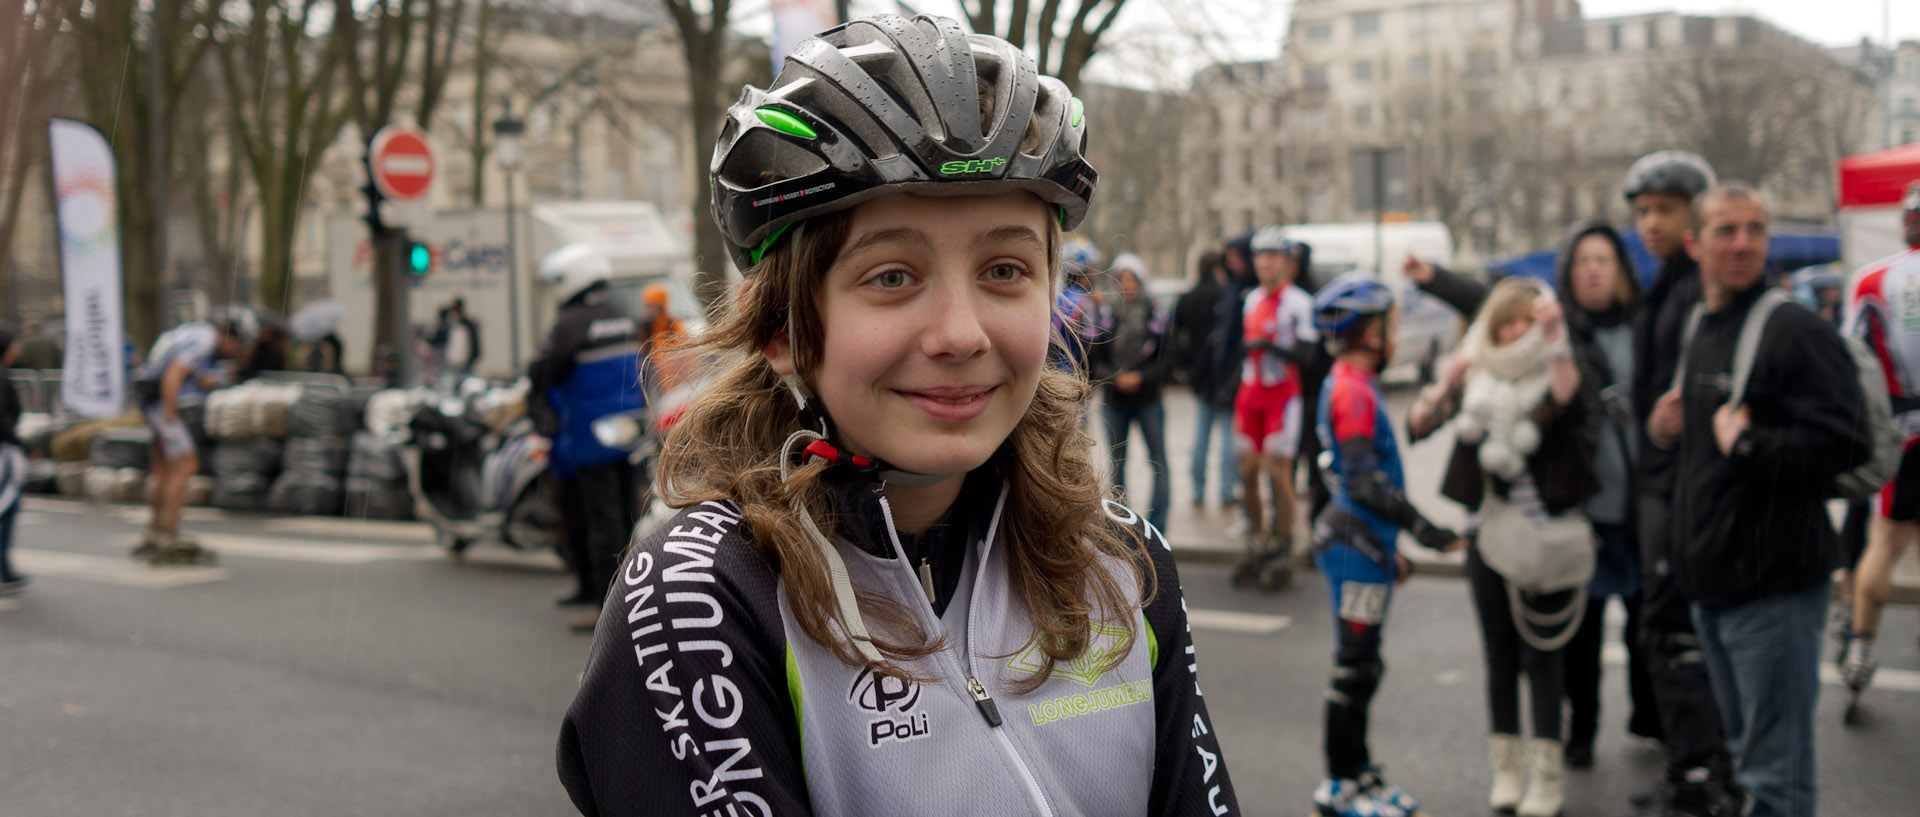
pixel 1080 252
pixel 1347 300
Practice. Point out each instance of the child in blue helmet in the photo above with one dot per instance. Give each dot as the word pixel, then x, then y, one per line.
pixel 1354 537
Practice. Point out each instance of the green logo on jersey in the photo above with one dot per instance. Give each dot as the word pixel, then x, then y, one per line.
pixel 1085 669
pixel 961 167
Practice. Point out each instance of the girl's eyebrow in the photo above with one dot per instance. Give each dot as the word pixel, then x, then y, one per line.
pixel 1004 234
pixel 1014 233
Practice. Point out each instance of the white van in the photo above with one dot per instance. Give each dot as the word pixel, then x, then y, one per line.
pixel 1428 327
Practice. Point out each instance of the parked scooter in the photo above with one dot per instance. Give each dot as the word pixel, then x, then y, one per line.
pixel 477 471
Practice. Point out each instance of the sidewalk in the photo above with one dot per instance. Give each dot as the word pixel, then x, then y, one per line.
pixel 1203 533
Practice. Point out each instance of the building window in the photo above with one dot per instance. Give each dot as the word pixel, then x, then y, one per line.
pixel 1363 115
pixel 1906 107
pixel 1653 34
pixel 1479 102
pixel 1486 16
pixel 1314 119
pixel 1314 78
pixel 1482 62
pixel 1278 115
pixel 1613 37
pixel 1363 71
pixel 1246 168
pixel 1279 163
pixel 1252 110
pixel 1423 19
pixel 1419 65
pixel 1417 109
pixel 1366 24
pixel 1320 33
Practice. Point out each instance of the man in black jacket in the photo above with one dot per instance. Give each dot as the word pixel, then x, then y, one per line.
pixel 1753 544
pixel 1661 187
pixel 1194 355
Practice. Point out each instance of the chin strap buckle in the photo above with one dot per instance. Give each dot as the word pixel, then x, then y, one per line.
pixel 822 449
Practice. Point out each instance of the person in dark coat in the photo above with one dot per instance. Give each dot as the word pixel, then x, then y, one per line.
pixel 1128 361
pixel 13 462
pixel 1192 351
pixel 1598 292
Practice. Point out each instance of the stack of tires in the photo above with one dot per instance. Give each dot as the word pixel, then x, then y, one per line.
pixel 376 485
pixel 313 463
pixel 248 424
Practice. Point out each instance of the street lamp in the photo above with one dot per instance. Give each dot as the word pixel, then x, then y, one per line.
pixel 506 153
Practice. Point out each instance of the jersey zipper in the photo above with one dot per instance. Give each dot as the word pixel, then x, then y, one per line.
pixel 983 701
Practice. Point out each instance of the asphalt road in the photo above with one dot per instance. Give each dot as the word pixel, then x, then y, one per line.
pixel 333 667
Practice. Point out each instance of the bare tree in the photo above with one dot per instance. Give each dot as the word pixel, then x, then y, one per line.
pixel 30 73
pixel 704 43
pixel 116 92
pixel 1061 53
pixel 1749 112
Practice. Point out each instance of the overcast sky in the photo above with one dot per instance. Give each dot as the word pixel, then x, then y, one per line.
pixel 1160 43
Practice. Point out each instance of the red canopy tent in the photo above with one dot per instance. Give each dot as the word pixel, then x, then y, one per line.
pixel 1870 189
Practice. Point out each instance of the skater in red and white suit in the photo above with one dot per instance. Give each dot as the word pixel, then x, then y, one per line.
pixel 1883 308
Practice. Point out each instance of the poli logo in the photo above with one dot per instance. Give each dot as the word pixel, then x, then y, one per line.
pixel 884 694
pixel 1086 668
pixel 86 210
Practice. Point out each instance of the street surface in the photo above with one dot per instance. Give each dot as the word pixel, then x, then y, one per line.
pixel 332 667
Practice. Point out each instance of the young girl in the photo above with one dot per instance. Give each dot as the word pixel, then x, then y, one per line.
pixel 1522 439
pixel 894 586
pixel 1355 535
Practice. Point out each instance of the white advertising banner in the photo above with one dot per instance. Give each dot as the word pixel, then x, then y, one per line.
pixel 796 20
pixel 95 370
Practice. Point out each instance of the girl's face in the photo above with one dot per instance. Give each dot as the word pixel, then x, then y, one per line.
pixel 1129 285
pixel 1596 273
pixel 1515 327
pixel 935 318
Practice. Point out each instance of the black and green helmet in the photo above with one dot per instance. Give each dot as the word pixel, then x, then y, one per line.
pixel 889 104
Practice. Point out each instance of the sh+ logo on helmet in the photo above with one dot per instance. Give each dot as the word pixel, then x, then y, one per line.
pixel 965 167
pixel 893 699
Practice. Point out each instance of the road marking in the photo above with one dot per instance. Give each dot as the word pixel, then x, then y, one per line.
pixel 1901 680
pixel 135 514
pixel 352 529
pixel 113 570
pixel 1232 622
pixel 328 553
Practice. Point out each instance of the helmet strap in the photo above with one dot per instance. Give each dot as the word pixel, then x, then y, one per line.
pixel 817 435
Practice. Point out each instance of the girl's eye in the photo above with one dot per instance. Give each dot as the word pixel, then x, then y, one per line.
pixel 1005 272
pixel 892 279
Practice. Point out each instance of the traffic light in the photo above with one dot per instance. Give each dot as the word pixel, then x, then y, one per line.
pixel 374 198
pixel 419 258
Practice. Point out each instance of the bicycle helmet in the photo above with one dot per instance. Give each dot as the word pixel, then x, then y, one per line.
pixel 1347 300
pixel 1272 239
pixel 888 104
pixel 236 320
pixel 1680 172
pixel 573 269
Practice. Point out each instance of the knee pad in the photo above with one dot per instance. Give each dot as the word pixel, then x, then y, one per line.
pixel 1353 684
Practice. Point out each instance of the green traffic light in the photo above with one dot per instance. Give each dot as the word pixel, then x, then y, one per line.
pixel 419 259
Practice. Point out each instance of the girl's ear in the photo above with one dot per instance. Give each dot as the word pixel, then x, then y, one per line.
pixel 779 354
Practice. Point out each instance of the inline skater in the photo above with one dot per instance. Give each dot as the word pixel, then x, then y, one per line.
pixel 894 559
pixel 1354 537
pixel 1878 314
pixel 179 372
pixel 1278 336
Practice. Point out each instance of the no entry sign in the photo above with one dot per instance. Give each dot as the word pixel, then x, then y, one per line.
pixel 403 162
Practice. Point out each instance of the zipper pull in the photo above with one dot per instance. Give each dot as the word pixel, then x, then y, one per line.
pixel 980 699
pixel 926 577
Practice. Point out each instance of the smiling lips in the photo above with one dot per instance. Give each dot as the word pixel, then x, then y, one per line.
pixel 953 404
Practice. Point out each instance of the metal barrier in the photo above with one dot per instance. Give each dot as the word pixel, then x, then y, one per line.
pixel 321 379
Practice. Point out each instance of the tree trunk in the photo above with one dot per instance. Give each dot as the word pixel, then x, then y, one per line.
pixel 709 248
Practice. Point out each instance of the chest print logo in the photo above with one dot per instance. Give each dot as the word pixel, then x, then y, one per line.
pixel 893 699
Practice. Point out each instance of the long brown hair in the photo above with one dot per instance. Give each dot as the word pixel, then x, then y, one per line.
pixel 1054 532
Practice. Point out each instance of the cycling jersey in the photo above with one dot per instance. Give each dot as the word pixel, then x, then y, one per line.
pixel 1883 309
pixel 1351 407
pixel 190 344
pixel 1282 318
pixel 703 696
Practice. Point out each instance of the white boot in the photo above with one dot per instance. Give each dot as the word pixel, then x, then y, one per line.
pixel 1546 790
pixel 1509 771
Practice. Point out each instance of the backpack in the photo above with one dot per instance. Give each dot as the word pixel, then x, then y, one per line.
pixel 1861 482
